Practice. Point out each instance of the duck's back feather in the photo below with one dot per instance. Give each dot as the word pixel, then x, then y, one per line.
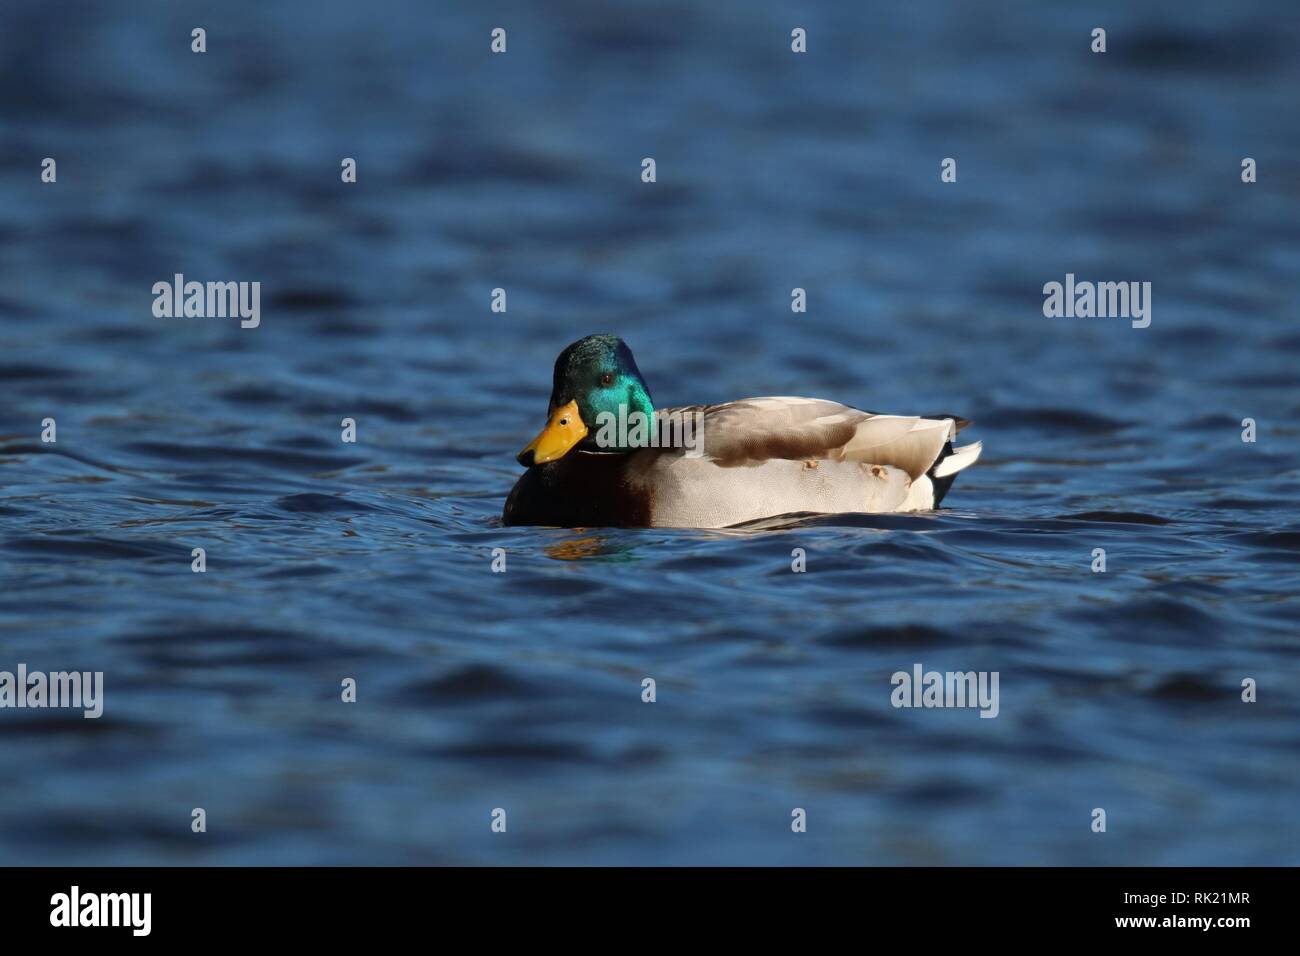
pixel 814 429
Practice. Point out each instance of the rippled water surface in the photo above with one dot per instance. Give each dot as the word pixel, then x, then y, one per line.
pixel 523 690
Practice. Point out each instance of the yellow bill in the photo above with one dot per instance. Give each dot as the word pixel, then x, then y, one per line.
pixel 565 429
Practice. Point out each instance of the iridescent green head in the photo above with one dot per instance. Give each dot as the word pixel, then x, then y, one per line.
pixel 596 377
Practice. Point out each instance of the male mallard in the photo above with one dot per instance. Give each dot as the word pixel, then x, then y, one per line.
pixel 600 460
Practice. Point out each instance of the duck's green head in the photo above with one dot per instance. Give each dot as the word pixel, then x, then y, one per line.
pixel 595 377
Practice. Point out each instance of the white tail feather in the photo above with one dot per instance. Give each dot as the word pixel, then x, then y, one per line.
pixel 962 457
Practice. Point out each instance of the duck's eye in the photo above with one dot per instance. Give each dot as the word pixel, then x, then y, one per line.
pixel 564 422
pixel 607 379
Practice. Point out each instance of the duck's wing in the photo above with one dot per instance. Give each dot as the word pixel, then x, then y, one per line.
pixel 754 430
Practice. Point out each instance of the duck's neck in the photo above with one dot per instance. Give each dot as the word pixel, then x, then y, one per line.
pixel 623 425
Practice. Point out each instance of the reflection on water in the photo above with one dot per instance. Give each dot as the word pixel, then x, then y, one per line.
pixel 591 546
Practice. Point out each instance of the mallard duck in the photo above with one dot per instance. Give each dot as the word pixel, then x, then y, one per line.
pixel 607 458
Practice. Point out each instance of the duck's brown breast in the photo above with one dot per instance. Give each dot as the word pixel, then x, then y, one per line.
pixel 582 489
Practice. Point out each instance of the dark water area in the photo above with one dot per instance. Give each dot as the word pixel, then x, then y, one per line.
pixel 476 690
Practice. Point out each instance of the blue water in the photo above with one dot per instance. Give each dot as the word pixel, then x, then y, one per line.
pixel 1119 690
